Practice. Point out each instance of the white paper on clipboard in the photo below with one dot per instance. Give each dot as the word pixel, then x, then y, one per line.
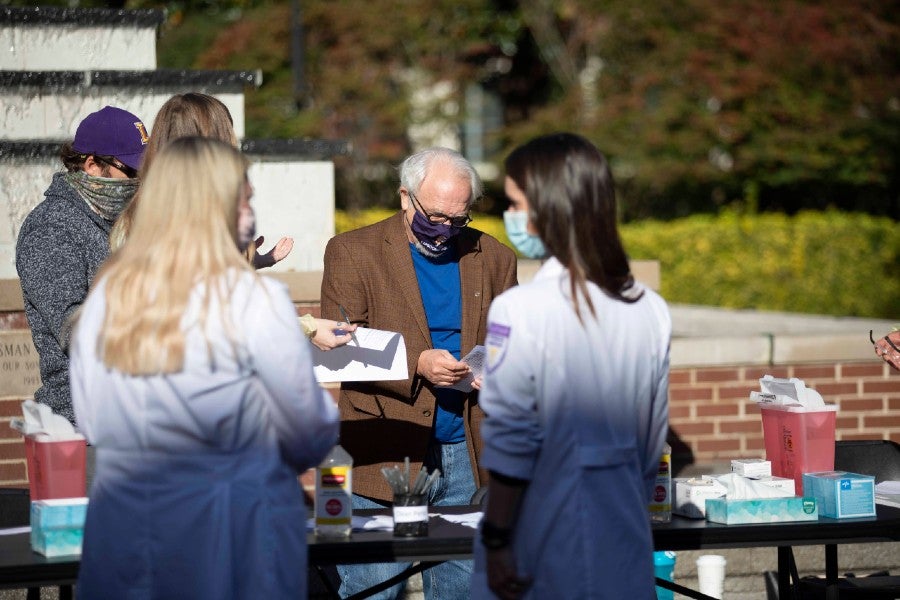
pixel 380 356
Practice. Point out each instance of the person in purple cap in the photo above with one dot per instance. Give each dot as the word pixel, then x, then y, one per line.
pixel 65 239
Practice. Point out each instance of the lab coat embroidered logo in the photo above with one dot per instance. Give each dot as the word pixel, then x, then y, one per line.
pixel 496 343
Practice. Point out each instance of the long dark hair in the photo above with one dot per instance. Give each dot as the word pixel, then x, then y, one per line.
pixel 572 204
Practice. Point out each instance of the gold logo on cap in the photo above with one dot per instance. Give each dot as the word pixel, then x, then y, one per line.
pixel 143 131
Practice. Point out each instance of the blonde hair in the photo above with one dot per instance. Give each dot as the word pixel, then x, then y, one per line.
pixel 184 239
pixel 183 115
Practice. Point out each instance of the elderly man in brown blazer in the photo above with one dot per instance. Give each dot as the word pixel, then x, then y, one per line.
pixel 425 274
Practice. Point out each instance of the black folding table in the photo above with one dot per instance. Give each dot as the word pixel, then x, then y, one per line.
pixel 22 568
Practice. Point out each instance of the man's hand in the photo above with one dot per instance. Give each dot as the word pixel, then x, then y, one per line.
pixel 440 368
pixel 502 577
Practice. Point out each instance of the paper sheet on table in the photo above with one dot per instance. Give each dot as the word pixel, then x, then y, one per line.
pixel 469 519
pixel 380 356
pixel 475 360
pixel 888 493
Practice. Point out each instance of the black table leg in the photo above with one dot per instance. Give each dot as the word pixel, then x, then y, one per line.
pixel 326 581
pixel 785 558
pixel 680 589
pixel 831 572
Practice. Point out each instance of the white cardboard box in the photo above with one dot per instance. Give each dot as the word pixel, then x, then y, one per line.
pixel 691 496
pixel 751 467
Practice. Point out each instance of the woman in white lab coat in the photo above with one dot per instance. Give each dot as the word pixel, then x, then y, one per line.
pixel 575 393
pixel 191 376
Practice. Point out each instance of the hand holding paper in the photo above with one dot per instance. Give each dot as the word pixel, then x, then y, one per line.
pixel 375 356
pixel 475 360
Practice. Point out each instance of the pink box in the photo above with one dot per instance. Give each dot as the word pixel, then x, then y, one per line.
pixel 798 441
pixel 56 469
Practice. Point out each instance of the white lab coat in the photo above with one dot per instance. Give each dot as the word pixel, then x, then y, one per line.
pixel 196 492
pixel 580 410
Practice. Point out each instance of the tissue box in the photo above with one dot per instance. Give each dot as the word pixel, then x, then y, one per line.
pixel 752 467
pixel 841 494
pixel 57 526
pixel 779 483
pixel 691 496
pixel 761 510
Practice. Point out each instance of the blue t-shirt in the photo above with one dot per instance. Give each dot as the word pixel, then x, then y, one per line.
pixel 442 298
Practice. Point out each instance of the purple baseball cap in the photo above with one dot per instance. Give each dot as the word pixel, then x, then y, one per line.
pixel 114 132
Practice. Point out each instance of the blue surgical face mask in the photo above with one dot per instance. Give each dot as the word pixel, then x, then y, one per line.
pixel 528 244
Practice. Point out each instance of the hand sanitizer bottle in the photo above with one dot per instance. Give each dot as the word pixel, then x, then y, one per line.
pixel 661 502
pixel 334 488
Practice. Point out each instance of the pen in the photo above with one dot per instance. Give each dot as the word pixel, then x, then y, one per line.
pixel 347 320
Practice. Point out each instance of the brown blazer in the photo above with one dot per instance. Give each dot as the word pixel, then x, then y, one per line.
pixel 370 272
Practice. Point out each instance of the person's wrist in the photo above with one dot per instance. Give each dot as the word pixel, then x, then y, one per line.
pixel 493 537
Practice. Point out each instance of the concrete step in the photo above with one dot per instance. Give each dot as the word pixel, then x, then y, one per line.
pixel 49 38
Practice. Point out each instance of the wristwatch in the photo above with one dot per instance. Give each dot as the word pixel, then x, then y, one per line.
pixel 493 537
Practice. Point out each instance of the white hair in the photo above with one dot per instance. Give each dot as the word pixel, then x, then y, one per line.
pixel 415 167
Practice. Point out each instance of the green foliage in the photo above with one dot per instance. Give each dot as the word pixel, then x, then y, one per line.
pixel 831 263
pixel 350 220
pixel 700 100
pixel 700 105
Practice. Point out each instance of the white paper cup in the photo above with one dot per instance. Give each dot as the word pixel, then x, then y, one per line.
pixel 711 573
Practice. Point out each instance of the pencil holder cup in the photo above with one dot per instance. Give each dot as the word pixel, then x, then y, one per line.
pixel 410 515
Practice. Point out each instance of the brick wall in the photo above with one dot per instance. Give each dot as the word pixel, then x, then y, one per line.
pixel 711 417
pixel 709 412
pixel 713 420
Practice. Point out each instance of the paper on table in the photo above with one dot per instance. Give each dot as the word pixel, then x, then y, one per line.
pixel 888 493
pixel 475 360
pixel 469 519
pixel 380 356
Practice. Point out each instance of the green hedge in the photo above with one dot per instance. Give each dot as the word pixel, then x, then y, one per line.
pixel 833 263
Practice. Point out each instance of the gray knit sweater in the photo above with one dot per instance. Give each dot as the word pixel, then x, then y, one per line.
pixel 61 246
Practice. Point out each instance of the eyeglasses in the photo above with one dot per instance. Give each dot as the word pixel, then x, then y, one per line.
pixel 440 218
pixel 111 161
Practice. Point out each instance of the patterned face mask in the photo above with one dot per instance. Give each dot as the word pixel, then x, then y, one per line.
pixel 107 196
pixel 433 236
